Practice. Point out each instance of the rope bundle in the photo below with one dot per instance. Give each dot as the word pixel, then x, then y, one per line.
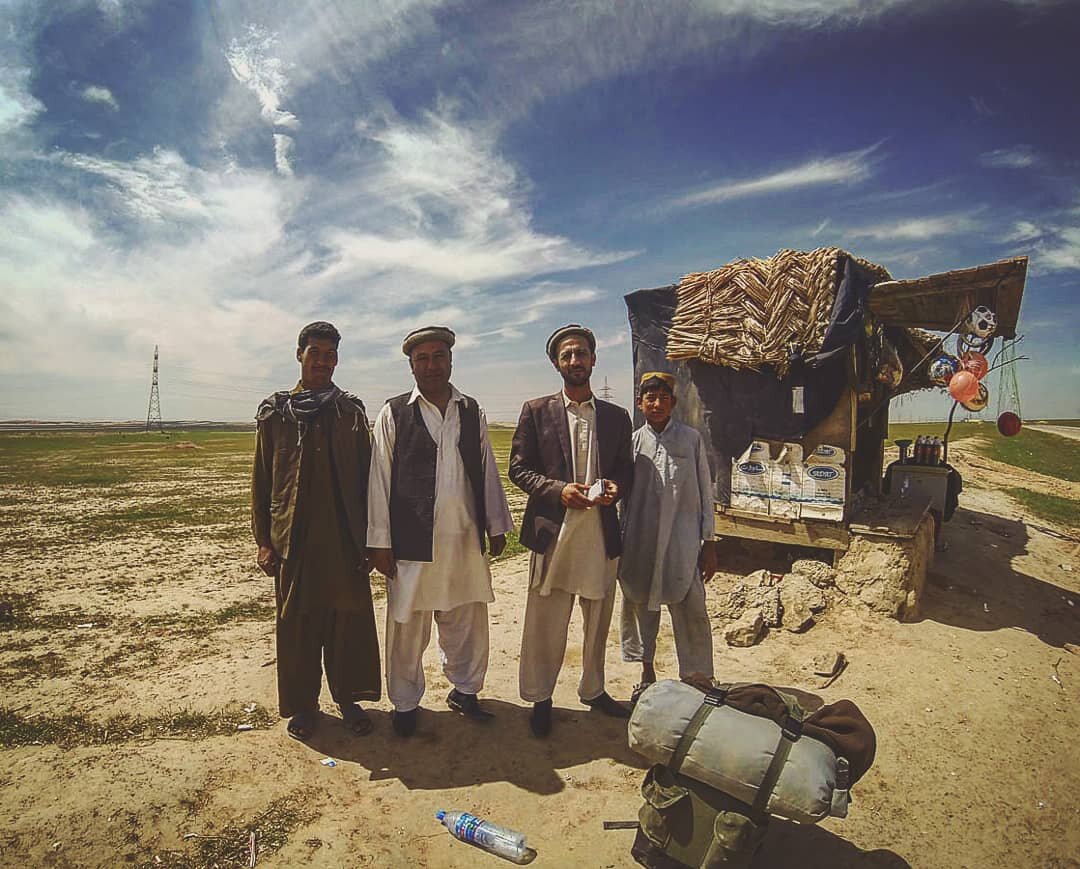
pixel 751 312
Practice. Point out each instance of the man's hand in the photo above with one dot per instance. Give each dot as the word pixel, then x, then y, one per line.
pixel 497 544
pixel 709 562
pixel 610 493
pixel 574 496
pixel 383 561
pixel 268 560
pixel 364 566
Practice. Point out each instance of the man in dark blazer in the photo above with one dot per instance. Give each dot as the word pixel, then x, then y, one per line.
pixel 572 454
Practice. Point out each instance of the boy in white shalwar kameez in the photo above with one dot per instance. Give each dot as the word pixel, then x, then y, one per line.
pixel 668 548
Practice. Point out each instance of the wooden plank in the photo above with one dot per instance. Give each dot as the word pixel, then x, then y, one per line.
pixel 938 301
pixel 890 517
pixel 823 535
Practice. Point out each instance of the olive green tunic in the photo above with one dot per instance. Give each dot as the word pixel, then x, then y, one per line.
pixel 323 597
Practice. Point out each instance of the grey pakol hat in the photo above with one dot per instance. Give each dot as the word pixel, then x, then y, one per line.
pixel 566 332
pixel 427 333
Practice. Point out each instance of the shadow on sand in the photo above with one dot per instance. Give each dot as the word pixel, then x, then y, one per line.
pixel 977 569
pixel 810 847
pixel 450 751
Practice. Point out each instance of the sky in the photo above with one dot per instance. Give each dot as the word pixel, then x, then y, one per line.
pixel 207 177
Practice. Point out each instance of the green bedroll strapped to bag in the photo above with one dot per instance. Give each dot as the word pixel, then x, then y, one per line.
pixel 728 759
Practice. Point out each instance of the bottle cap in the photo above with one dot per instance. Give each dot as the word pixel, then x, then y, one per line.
pixel 439 815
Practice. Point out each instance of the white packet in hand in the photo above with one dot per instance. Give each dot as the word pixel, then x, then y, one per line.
pixel 595 490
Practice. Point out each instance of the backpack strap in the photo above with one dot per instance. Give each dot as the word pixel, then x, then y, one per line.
pixel 789 735
pixel 713 697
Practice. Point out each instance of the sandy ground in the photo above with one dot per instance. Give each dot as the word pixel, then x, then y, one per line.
pixel 977 761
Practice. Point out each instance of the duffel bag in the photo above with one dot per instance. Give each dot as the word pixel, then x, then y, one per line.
pixel 766 758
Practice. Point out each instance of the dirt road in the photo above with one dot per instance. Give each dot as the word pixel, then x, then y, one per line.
pixel 1068 431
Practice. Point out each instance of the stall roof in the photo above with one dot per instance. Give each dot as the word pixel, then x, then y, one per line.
pixel 938 302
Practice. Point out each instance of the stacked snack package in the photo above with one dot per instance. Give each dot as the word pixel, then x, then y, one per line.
pixel 786 475
pixel 750 483
pixel 824 484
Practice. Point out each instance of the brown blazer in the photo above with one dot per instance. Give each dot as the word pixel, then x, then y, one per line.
pixel 541 465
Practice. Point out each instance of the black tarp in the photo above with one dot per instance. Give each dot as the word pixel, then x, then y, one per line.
pixel 732 407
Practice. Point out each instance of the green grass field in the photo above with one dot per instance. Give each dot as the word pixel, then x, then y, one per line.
pixel 180 479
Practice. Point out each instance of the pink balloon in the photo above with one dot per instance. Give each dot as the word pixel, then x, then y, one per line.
pixel 975 363
pixel 963 386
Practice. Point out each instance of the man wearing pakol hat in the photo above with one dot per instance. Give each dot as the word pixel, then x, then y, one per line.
pixel 309 517
pixel 434 494
pixel 668 549
pixel 571 454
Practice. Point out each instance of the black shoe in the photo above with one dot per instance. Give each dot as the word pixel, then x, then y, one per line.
pixel 540 720
pixel 404 722
pixel 604 703
pixel 467 705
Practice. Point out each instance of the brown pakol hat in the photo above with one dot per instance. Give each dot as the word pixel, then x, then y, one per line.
pixel 566 332
pixel 427 333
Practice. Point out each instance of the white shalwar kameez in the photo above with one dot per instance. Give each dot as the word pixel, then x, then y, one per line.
pixel 576 563
pixel 454 588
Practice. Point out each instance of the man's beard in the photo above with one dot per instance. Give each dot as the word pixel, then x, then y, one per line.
pixel 576 378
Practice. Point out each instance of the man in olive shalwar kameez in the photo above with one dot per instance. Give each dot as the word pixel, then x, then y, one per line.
pixel 309 516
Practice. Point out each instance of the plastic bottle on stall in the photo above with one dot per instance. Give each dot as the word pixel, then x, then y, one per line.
pixel 920 450
pixel 937 451
pixel 491 837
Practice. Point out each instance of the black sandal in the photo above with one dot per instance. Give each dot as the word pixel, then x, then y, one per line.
pixel 356 719
pixel 302 725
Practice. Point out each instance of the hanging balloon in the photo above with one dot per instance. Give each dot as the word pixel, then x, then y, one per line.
pixel 1009 424
pixel 963 386
pixel 982 322
pixel 942 369
pixel 979 402
pixel 975 363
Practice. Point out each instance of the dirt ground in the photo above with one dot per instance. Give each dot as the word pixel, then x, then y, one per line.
pixel 977 762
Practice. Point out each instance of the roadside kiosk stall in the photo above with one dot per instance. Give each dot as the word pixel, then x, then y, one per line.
pixel 787 366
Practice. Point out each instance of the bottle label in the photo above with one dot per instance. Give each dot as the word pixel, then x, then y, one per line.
pixel 466 826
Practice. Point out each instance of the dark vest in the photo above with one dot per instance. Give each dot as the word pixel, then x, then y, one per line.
pixel 412 477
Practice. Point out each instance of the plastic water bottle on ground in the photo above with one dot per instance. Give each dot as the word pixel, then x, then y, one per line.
pixel 509 844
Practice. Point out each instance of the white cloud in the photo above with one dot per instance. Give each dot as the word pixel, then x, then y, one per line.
pixel 1060 252
pixel 156 187
pixel 1017 157
pixel 17 105
pixel 283 148
pixel 916 228
pixel 820 228
pixel 1023 230
pixel 443 209
pixel 253 63
pixel 848 168
pixel 99 94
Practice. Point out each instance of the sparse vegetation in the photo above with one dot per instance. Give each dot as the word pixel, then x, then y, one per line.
pixel 231 846
pixel 71 730
pixel 1052 508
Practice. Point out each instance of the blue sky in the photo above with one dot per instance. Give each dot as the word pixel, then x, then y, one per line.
pixel 209 177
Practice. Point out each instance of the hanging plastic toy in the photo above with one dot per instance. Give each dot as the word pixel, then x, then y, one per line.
pixel 982 322
pixel 942 369
pixel 963 386
pixel 975 363
pixel 979 402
